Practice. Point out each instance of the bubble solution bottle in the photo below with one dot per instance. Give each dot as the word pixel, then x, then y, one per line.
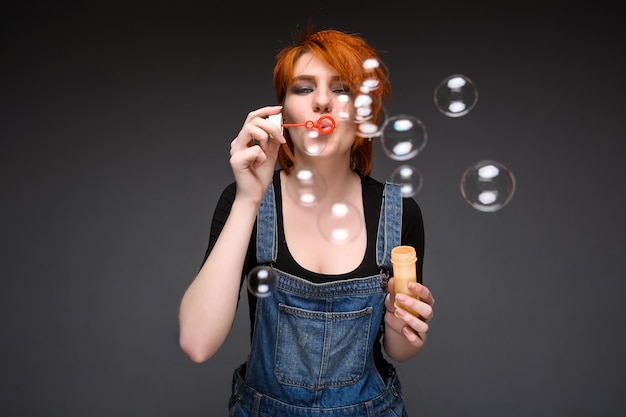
pixel 404 261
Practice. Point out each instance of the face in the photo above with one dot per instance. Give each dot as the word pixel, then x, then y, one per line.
pixel 318 91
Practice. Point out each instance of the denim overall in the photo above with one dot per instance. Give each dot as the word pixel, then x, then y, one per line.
pixel 312 344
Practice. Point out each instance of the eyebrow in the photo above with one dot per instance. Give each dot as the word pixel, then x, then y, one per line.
pixel 312 78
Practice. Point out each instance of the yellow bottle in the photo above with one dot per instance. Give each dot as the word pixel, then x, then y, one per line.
pixel 404 260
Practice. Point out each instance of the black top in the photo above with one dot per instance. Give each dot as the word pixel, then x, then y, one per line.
pixel 372 192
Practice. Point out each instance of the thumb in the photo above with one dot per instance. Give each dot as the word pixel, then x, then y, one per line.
pixel 391 287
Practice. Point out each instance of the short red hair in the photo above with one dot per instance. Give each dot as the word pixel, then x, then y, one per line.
pixel 346 53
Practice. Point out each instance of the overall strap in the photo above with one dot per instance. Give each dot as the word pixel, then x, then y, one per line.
pixel 389 225
pixel 267 230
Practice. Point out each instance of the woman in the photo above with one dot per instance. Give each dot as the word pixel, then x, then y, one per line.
pixel 318 338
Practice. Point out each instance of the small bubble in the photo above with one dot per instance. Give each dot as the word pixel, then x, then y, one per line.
pixel 371 64
pixel 261 281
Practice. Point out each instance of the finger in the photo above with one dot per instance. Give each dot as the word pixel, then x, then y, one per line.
pixel 262 112
pixel 416 323
pixel 265 111
pixel 264 133
pixel 259 160
pixel 249 157
pixel 271 130
pixel 413 332
pixel 261 118
pixel 243 140
pixel 422 292
pixel 411 335
pixel 414 306
pixel 259 137
pixel 391 288
pixel 272 149
pixel 389 303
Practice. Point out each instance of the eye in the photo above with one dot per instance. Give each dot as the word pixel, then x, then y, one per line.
pixel 302 89
pixel 341 90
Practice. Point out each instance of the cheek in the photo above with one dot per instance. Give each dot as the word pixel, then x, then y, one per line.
pixel 344 110
pixel 347 126
pixel 289 112
pixel 296 107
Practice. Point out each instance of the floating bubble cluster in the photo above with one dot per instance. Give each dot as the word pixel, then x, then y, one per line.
pixel 367 105
pixel 487 186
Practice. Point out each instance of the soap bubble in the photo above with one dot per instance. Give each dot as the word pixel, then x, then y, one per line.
pixel 363 105
pixel 369 129
pixel 487 185
pixel 456 95
pixel 343 102
pixel 261 281
pixel 340 222
pixel 314 143
pixel 409 178
pixel 371 64
pixel 366 106
pixel 403 137
pixel 370 84
pixel 367 102
pixel 305 186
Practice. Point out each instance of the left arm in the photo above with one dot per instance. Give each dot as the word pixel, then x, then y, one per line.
pixel 406 327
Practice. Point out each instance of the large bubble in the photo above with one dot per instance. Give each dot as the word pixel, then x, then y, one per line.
pixel 340 222
pixel 305 186
pixel 403 137
pixel 456 95
pixel 409 178
pixel 488 185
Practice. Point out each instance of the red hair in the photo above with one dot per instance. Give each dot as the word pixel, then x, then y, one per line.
pixel 346 53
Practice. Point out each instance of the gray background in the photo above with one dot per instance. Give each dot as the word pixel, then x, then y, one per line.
pixel 116 122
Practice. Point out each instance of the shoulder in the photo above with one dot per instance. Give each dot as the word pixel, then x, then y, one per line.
pixel 224 203
pixel 411 211
pixel 371 186
pixel 372 193
pixel 410 205
pixel 228 194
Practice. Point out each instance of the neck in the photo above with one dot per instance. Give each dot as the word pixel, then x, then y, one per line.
pixel 338 175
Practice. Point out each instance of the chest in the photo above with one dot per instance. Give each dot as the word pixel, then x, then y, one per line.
pixel 325 239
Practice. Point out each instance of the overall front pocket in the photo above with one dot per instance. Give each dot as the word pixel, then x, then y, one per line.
pixel 317 349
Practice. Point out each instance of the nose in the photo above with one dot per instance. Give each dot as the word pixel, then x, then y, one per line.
pixel 322 102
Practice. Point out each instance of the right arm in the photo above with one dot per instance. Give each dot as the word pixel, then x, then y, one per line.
pixel 208 307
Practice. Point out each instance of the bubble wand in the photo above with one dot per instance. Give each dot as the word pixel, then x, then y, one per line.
pixel 325 124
